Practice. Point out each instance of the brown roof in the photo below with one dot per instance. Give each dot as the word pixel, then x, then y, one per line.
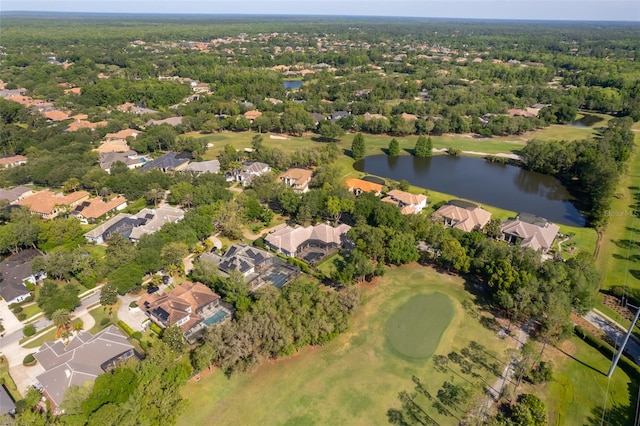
pixel 7 161
pixel 128 106
pixel 252 115
pixel 56 115
pixel 409 117
pixel 82 124
pixel 123 134
pixel 464 218
pixel 44 202
pixel 297 175
pixel 363 185
pixel 406 197
pixel 95 207
pixel 74 90
pixel 113 145
pixel 290 239
pixel 80 116
pixel 182 302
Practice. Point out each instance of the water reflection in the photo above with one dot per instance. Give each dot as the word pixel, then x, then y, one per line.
pixel 499 185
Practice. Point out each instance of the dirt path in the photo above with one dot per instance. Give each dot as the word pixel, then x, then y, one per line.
pixel 485 154
pixel 250 236
pixel 495 391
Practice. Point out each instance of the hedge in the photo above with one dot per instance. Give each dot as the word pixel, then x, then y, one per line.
pixel 29 330
pixel 155 328
pixel 29 360
pixel 125 327
pixel 104 321
pixel 17 309
pixel 297 262
pixel 607 350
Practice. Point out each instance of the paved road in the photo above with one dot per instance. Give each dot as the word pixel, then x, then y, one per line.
pixel 615 333
pixel 42 322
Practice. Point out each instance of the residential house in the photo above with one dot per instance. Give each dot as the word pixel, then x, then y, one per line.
pixel 7 404
pixel 358 186
pixel 369 116
pixel 15 272
pixel 90 210
pixel 83 359
pixel 172 121
pixel 155 219
pixel 409 117
pixel 12 161
pixel 252 115
pixel 123 134
pixel 298 179
pixel 135 109
pixel 201 88
pixel 7 93
pixel 48 204
pixel 408 203
pixel 121 223
pixel 171 161
pixel 258 267
pixel 530 231
pixel 74 91
pixel 15 194
pixel 249 171
pixel 338 115
pixel 462 215
pixel 83 124
pixel 56 115
pixel 191 306
pixel 317 117
pixel 212 166
pixel 131 159
pixel 113 145
pixel 299 241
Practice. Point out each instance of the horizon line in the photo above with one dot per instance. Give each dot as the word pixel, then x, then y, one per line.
pixel 240 14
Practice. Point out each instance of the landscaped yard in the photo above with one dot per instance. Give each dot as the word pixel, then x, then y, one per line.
pixel 356 378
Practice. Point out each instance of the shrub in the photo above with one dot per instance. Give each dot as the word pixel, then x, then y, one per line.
pixel 155 328
pixel 260 242
pixel 454 152
pixel 542 373
pixel 29 330
pixel 22 316
pixel 137 335
pixel 125 327
pixel 29 360
pixel 17 309
pixel 303 266
pixel 104 321
pixel 133 304
pixel 30 286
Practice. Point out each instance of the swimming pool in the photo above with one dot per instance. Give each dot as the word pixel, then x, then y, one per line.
pixel 217 318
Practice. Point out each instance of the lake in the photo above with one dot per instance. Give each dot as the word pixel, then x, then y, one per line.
pixel 587 120
pixel 293 84
pixel 500 185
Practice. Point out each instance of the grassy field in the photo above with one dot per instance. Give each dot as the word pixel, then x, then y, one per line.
pixel 618 259
pixel 578 392
pixel 406 327
pixel 355 378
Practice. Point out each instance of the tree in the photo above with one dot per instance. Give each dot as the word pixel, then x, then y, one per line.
pixel 330 131
pixel 61 319
pixel 108 294
pixel 174 338
pixel 529 411
pixel 394 147
pixel 424 147
pixel 493 229
pixel 154 194
pixel 455 256
pixel 358 148
pixel 173 253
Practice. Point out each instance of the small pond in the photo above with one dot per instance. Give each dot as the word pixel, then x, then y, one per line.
pixel 587 120
pixel 293 84
pixel 500 185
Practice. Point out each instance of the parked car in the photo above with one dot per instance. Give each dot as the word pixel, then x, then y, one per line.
pixel 152 289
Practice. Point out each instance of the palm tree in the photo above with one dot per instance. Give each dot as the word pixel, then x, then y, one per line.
pixel 61 318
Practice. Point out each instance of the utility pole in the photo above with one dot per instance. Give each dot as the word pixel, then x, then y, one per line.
pixel 624 342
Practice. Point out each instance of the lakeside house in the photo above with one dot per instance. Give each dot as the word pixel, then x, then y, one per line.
pixel 462 215
pixel 408 203
pixel 358 186
pixel 530 231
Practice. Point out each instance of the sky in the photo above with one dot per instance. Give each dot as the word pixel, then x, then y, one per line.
pixel 579 10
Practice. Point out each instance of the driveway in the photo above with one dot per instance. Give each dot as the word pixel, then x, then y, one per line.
pixel 8 319
pixel 614 332
pixel 134 317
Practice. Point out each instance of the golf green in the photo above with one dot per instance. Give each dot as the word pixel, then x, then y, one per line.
pixel 416 327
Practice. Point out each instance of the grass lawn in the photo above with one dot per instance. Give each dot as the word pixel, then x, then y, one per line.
pixel 98 315
pixel 8 382
pixel 577 394
pixel 48 336
pixel 355 378
pixel 31 310
pixel 618 259
pixel 406 327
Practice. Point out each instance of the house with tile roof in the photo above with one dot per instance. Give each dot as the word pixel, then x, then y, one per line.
pixel 252 115
pixel 211 166
pixel 113 145
pixel 409 203
pixel 292 241
pixel 258 267
pixel 191 306
pixel 249 171
pixel 12 161
pixel 83 124
pixel 123 134
pixel 56 115
pixel 131 159
pixel 358 186
pixel 530 231
pixel 121 223
pixel 48 204
pixel 462 215
pixel 298 179
pixel 84 359
pixel 94 208
pixel 171 121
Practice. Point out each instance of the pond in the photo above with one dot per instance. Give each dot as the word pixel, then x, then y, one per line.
pixel 293 84
pixel 587 120
pixel 500 185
